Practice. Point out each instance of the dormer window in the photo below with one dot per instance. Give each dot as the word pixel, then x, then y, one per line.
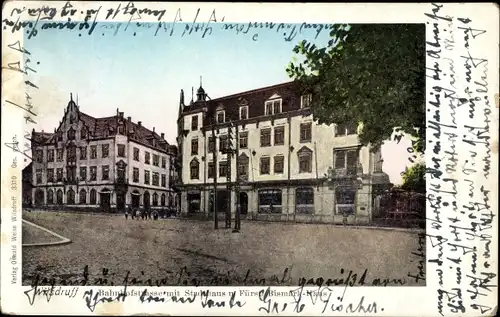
pixel 221 116
pixel 243 112
pixel 273 107
pixel 305 101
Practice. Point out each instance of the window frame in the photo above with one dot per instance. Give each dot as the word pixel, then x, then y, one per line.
pixel 301 129
pixel 219 112
pixel 194 146
pixel 263 133
pixel 267 160
pixel 246 112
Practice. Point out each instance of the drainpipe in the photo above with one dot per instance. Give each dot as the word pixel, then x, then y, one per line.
pixel 289 168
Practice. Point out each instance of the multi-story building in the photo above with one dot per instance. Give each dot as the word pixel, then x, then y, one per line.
pixel 285 167
pixel 105 163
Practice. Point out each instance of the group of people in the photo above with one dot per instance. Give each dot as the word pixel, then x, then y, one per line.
pixel 144 215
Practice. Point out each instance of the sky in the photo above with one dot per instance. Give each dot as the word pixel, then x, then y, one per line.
pixel 129 68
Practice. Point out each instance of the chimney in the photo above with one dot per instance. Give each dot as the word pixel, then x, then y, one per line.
pixel 163 135
pixel 120 114
pixel 139 123
pixel 129 118
pixel 153 129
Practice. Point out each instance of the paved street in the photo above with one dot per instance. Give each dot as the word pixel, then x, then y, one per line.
pixel 160 249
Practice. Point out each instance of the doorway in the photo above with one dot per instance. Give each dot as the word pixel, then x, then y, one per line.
pixel 106 202
pixel 147 201
pixel 243 203
pixel 120 202
pixel 136 199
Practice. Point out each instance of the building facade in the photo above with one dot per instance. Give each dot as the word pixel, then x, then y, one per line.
pixel 106 164
pixel 286 167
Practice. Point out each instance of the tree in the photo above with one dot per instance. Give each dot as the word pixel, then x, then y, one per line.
pixel 414 178
pixel 370 74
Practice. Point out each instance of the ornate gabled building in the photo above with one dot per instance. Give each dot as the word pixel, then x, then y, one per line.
pixel 285 166
pixel 106 164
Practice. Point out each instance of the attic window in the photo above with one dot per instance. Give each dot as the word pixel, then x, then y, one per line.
pixel 221 116
pixel 273 107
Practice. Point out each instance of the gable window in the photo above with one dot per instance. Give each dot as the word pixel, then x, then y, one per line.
pixel 194 123
pixel 305 160
pixel 71 134
pixel 279 162
pixel 136 154
pixel 50 156
pixel 93 151
pixel 305 101
pixel 265 163
pixel 265 137
pixel 305 132
pixel 147 157
pixel 60 155
pixel 121 150
pixel 273 107
pixel 83 153
pixel 304 200
pixel 243 167
pixel 105 172
pixel 211 144
pixel 105 150
pixel 146 177
pixel 194 169
pixel 243 112
pixel 194 146
pixel 346 160
pixel 223 169
pixel 243 140
pixel 211 170
pixel 221 116
pixel 156 160
pixel 345 129
pixel 279 136
pixel 135 175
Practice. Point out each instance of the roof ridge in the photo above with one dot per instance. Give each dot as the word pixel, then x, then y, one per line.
pixel 247 92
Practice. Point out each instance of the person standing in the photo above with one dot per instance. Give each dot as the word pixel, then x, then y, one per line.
pixel 126 214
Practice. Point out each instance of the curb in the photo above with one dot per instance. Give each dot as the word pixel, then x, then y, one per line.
pixel 63 239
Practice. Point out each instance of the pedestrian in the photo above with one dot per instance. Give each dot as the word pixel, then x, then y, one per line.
pixel 126 214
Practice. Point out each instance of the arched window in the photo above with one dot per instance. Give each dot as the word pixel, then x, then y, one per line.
pixel 304 200
pixel 70 198
pixel 93 197
pixel 50 197
pixel 163 199
pixel 155 199
pixel 83 196
pixel 39 197
pixel 194 169
pixel 170 200
pixel 59 197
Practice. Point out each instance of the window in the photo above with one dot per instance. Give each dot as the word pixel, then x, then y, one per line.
pixel 304 200
pixel 163 162
pixel 120 129
pixel 345 200
pixel 194 169
pixel 105 150
pixel 264 165
pixel 346 159
pixel 71 134
pixel 50 197
pixel 305 160
pixel 270 201
pixel 279 162
pixel 59 174
pixel 135 175
pixel 71 153
pixel 71 173
pixel 83 134
pixel 39 176
pixel 345 129
pixel 147 157
pixel 221 116
pixel 163 180
pixel 223 143
pixel 163 199
pixel 60 155
pixel 83 153
pixel 243 112
pixel 273 107
pixel 265 137
pixel 211 170
pixel 105 172
pixel 279 136
pixel 223 169
pixel 59 197
pixel 93 151
pixel 50 175
pixel 136 154
pixel 83 173
pixel 83 196
pixel 156 179
pixel 305 101
pixel 211 144
pixel 194 123
pixel 50 155
pixel 305 132
pixel 93 197
pixel 146 177
pixel 93 173
pixel 121 150
pixel 243 140
pixel 156 160
pixel 194 147
pixel 70 197
pixel 243 167
pixel 155 199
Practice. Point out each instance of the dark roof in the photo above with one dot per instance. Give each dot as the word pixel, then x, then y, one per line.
pixel 41 137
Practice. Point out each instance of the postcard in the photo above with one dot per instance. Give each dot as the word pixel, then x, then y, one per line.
pixel 249 158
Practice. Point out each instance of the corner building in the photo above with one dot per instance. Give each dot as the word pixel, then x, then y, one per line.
pixel 105 164
pixel 286 167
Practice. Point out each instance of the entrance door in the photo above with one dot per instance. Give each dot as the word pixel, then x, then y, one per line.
pixel 243 203
pixel 147 201
pixel 120 202
pixel 135 201
pixel 222 201
pixel 106 202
